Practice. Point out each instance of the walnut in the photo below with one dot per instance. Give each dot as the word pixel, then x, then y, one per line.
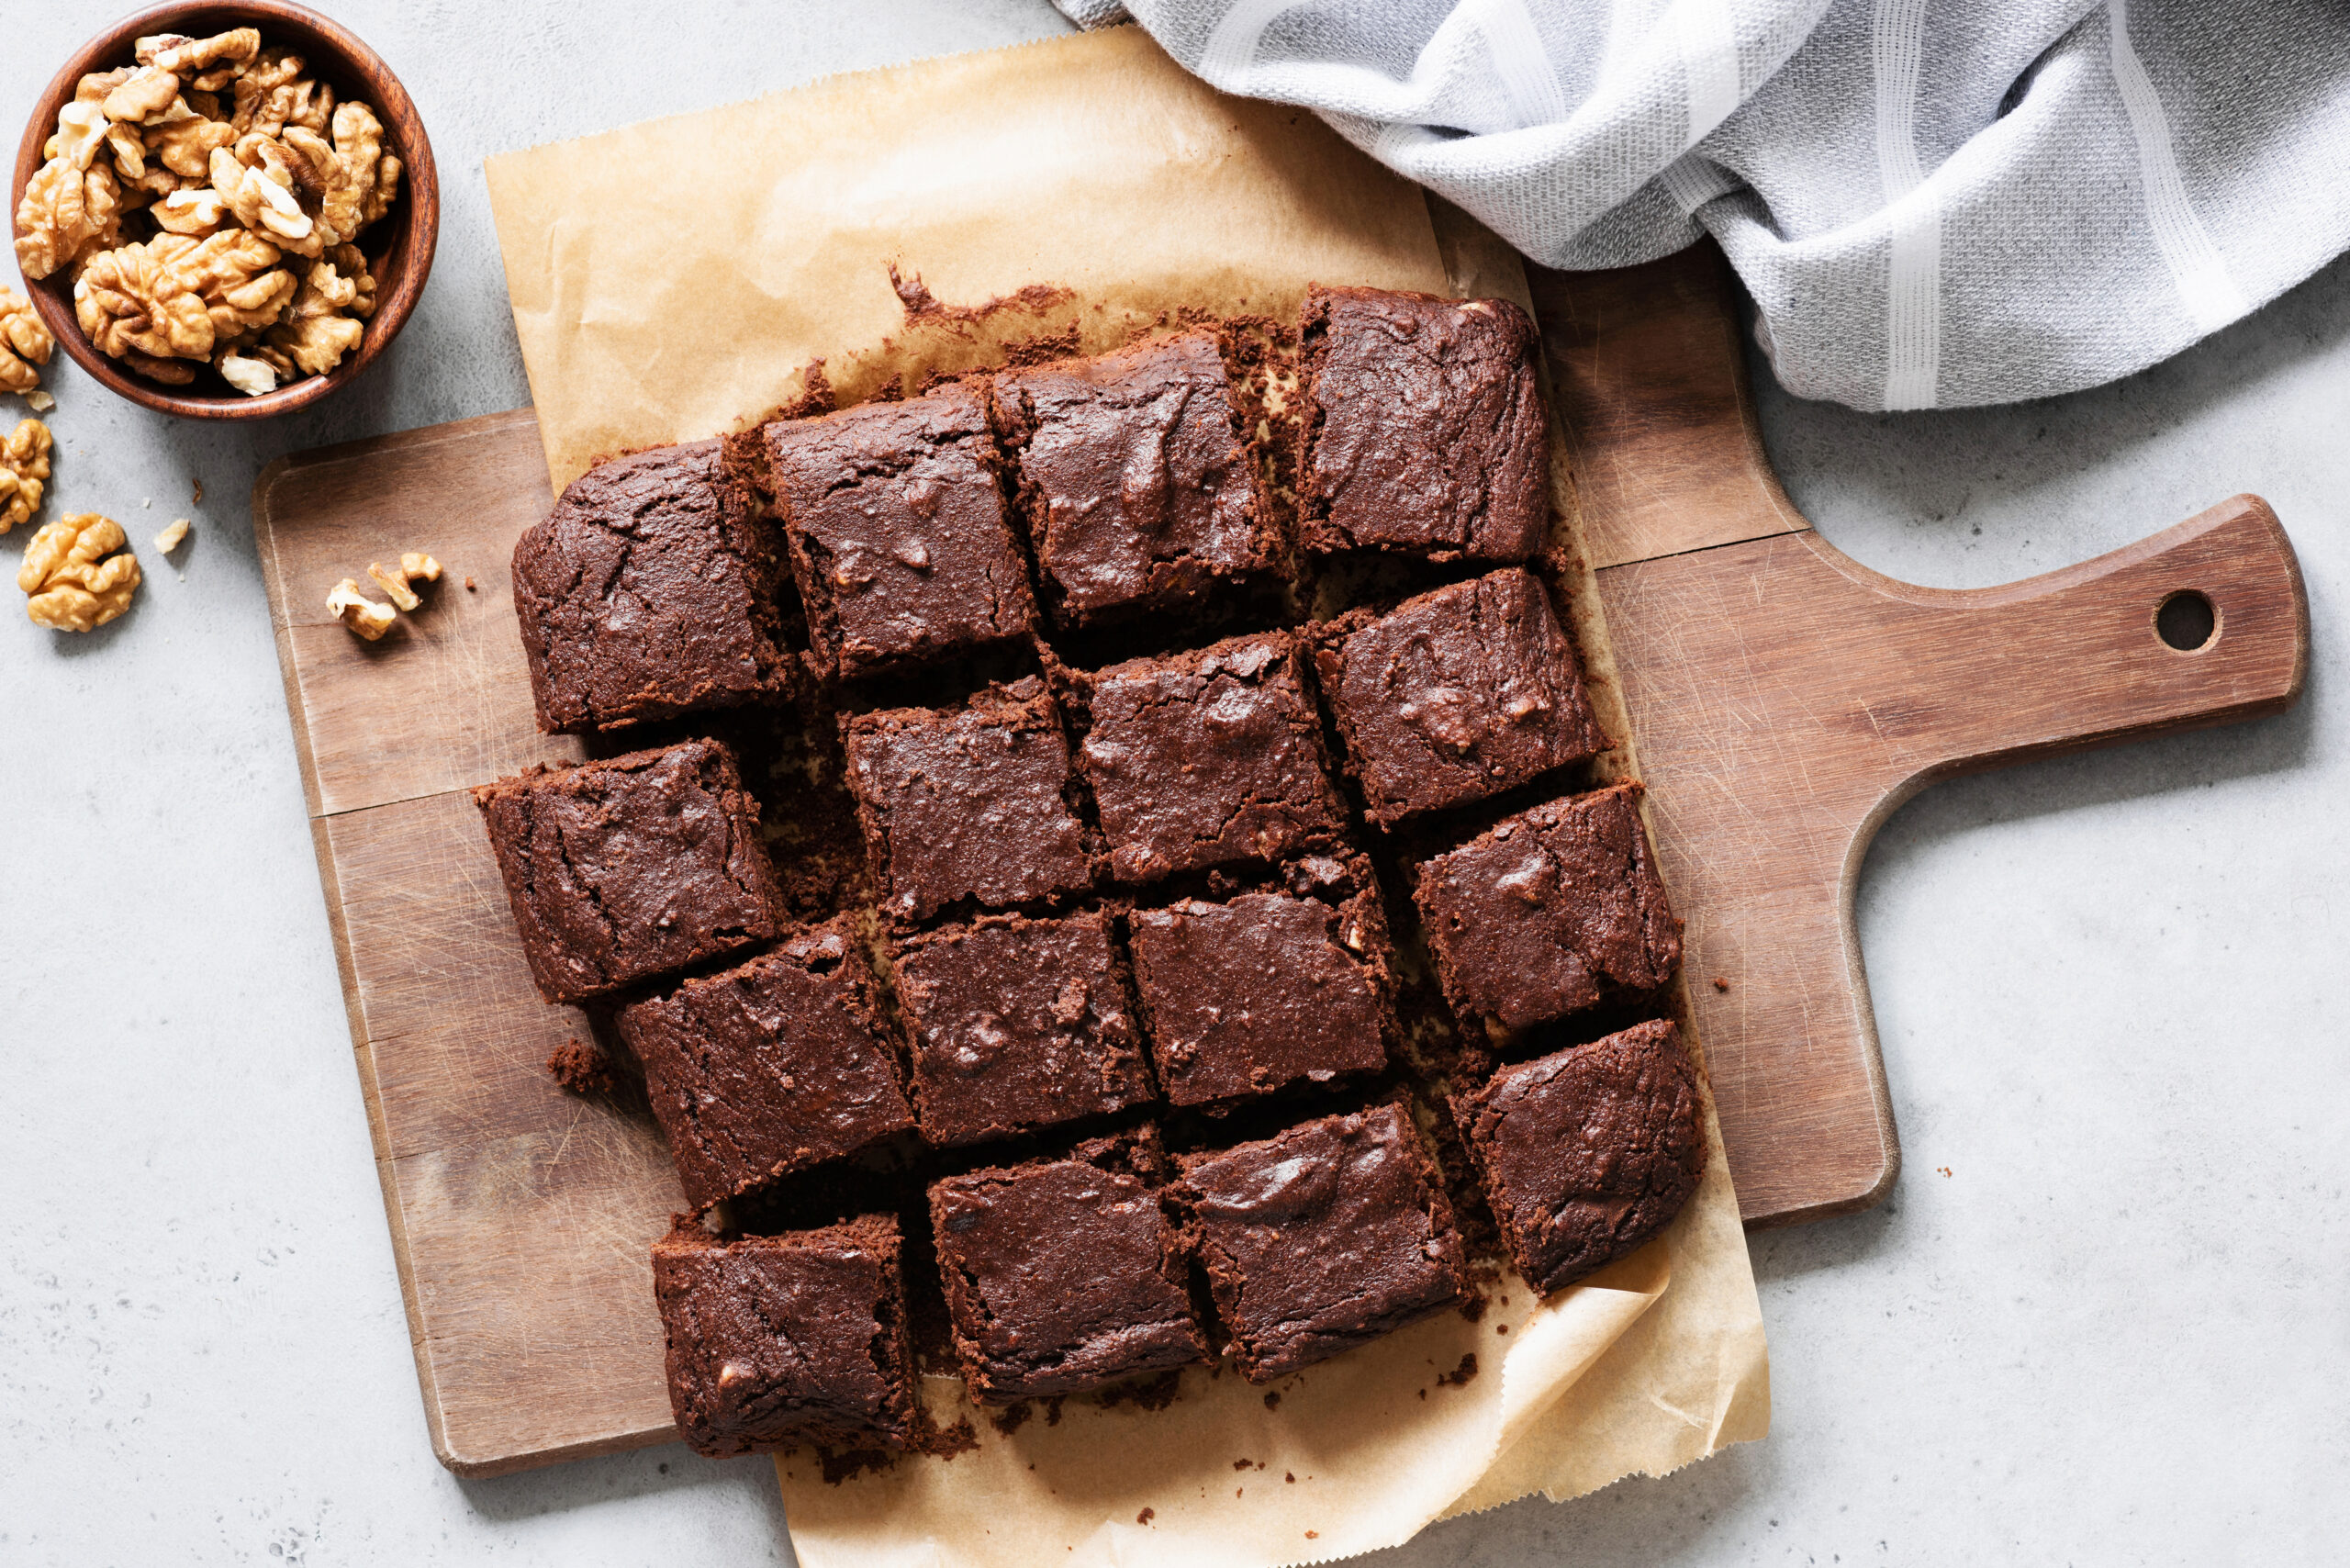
pixel 316 330
pixel 173 533
pixel 196 212
pixel 169 372
pixel 183 139
pixel 64 210
pixel 24 471
pixel 76 581
pixel 413 566
pixel 81 127
pixel 97 85
pixel 126 300
pixel 261 193
pixel 251 377
pixel 356 610
pixel 174 296
pixel 184 56
pixel 348 261
pixel 273 94
pixel 372 173
pixel 150 91
pixel 25 343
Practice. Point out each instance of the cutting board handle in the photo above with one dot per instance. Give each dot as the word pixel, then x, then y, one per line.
pixel 2206 622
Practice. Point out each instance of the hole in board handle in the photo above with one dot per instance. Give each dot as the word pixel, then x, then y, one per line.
pixel 2187 622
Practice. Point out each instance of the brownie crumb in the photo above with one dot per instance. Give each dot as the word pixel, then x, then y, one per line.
pixel 1242 1463
pixel 1146 1516
pixel 853 1462
pixel 921 305
pixel 1012 1417
pixel 1273 1402
pixel 469 584
pixel 1053 1409
pixel 1720 984
pixel 1289 1478
pixel 582 1069
pixel 945 1442
pixel 1474 1309
pixel 1144 1394
pixel 1462 1373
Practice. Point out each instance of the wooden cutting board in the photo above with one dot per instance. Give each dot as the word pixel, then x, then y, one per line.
pixel 1783 701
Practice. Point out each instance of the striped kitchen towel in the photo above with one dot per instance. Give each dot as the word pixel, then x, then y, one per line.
pixel 1935 202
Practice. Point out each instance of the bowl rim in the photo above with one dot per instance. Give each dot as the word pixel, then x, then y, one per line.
pixel 403 128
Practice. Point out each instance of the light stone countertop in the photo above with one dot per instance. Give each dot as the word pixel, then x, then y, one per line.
pixel 2102 1319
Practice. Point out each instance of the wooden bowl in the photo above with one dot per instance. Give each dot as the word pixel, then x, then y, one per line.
pixel 398 246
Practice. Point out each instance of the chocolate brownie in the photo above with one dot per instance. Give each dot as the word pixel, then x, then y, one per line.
pixel 1423 427
pixel 625 870
pixel 897 530
pixel 1549 911
pixel 1135 487
pixel 649 591
pixel 769 1068
pixel 1454 695
pixel 1205 759
pixel 969 804
pixel 1017 1024
pixel 1245 997
pixel 780 1340
pixel 1323 1237
pixel 1586 1153
pixel 1063 1275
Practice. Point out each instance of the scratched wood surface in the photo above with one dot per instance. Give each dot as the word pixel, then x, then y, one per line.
pixel 1781 701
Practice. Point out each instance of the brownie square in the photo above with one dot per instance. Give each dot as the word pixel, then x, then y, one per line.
pixel 625 870
pixel 1424 427
pixel 1063 1275
pixel 1135 487
pixel 1015 1025
pixel 780 1340
pixel 969 804
pixel 1323 1237
pixel 1454 695
pixel 1549 911
pixel 769 1068
pixel 898 536
pixel 1247 996
pixel 1206 758
pixel 649 591
pixel 1584 1154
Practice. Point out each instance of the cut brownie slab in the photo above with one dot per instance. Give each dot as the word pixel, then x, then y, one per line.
pixel 1586 1153
pixel 1063 1275
pixel 1423 427
pixel 649 591
pixel 1549 911
pixel 1016 1024
pixel 1323 1237
pixel 769 1068
pixel 1454 695
pixel 970 804
pixel 1137 491
pixel 626 871
pixel 1245 997
pixel 1206 758
pixel 897 534
pixel 780 1340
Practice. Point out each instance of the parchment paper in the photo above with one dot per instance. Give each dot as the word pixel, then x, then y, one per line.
pixel 674 279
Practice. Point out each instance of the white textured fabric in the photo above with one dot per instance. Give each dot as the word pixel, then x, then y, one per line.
pixel 1933 202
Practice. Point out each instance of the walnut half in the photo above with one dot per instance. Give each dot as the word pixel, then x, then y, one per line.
pixel 76 581
pixel 355 610
pixel 25 343
pixel 24 471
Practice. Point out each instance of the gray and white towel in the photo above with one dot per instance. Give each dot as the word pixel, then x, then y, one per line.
pixel 1933 202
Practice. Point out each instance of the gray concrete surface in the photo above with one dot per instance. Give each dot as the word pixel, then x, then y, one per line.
pixel 2101 1320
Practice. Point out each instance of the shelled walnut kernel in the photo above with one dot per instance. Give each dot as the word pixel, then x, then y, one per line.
pixel 25 343
pixel 158 195
pixel 24 472
pixel 75 580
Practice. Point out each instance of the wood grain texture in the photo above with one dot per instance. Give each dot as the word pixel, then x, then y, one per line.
pixel 1783 701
